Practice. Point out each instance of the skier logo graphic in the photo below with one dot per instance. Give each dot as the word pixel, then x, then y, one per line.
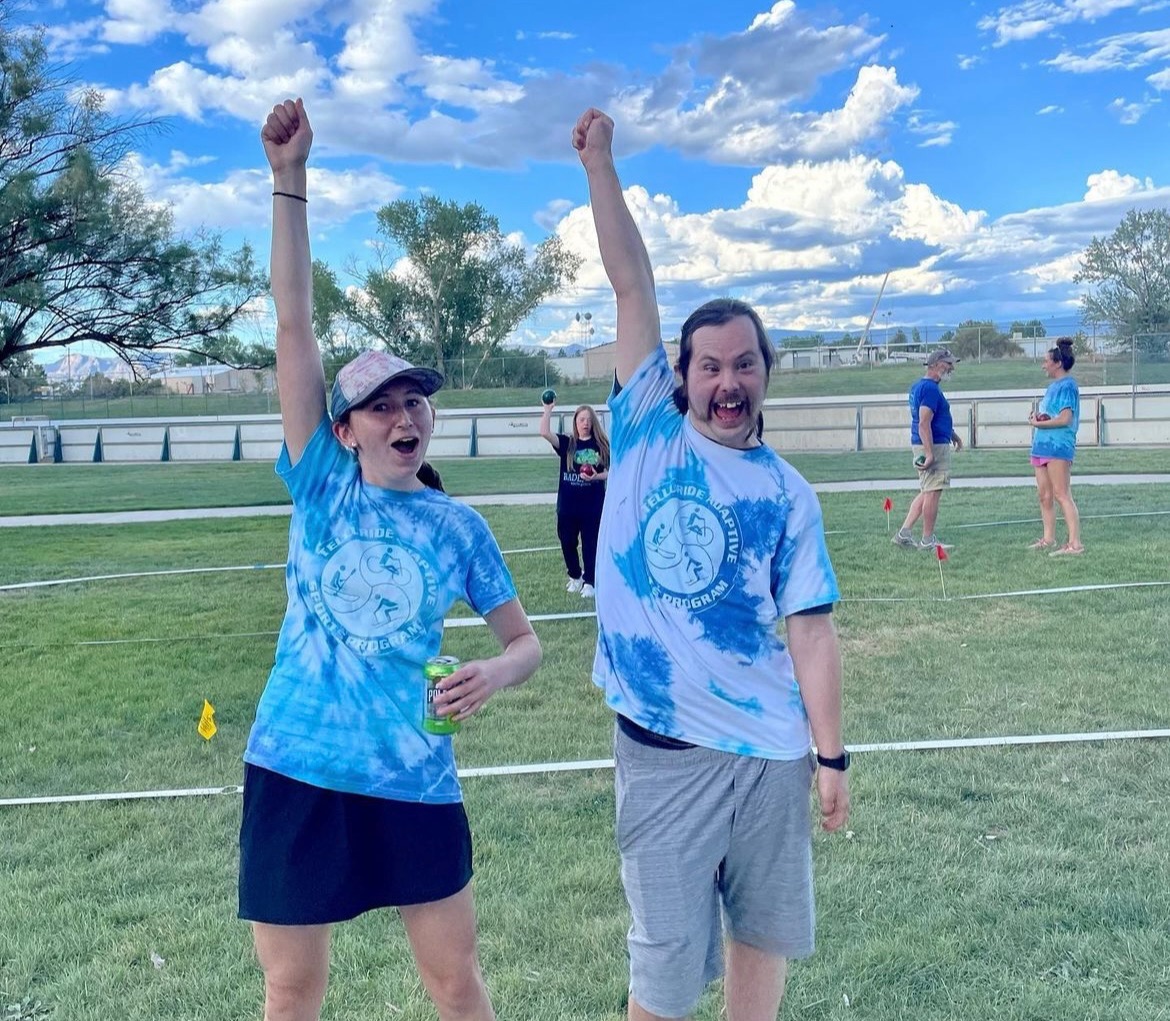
pixel 691 546
pixel 370 588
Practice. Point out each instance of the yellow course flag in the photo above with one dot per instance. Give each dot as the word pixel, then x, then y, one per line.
pixel 207 727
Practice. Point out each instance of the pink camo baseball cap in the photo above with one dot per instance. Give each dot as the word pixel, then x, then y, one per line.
pixel 361 378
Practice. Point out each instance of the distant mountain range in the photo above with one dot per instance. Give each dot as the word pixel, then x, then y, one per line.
pixel 78 366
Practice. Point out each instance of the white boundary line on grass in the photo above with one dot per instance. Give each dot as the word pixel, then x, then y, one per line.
pixel 193 570
pixel 25 585
pixel 457 622
pixel 589 764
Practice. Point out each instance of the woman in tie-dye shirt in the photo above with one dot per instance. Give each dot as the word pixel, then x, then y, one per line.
pixel 1054 445
pixel 350 804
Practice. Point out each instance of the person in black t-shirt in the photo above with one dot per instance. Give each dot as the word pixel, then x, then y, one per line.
pixel 584 468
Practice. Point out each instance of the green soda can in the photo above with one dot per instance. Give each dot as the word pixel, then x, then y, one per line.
pixel 434 670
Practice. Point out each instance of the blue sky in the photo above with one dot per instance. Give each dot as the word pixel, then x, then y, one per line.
pixel 790 153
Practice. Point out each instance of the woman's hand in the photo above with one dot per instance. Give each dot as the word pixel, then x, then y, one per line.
pixel 467 690
pixel 287 136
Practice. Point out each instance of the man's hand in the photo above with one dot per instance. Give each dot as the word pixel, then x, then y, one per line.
pixel 956 441
pixel 833 792
pixel 593 137
pixel 286 136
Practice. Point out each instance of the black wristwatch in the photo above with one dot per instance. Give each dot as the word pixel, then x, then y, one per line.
pixel 840 763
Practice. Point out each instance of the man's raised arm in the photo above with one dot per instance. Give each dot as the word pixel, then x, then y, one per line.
pixel 623 252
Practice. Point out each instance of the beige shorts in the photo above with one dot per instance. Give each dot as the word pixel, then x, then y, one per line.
pixel 938 475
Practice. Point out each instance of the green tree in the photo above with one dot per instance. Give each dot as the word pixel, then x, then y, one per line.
pixel 981 338
pixel 1033 328
pixel 83 254
pixel 229 350
pixel 20 378
pixel 1129 273
pixel 448 284
pixel 804 342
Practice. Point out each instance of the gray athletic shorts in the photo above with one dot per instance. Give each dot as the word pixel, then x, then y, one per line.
pixel 709 841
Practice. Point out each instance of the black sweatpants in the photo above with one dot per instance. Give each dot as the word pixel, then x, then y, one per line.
pixel 571 527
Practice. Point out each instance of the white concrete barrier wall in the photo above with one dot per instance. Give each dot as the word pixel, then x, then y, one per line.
pixel 16 446
pixel 1128 422
pixel 260 441
pixel 827 424
pixel 78 443
pixel 512 435
pixel 452 436
pixel 202 442
pixel 134 444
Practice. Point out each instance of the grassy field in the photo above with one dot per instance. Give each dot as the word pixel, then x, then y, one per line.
pixel 1017 883
pixel 888 378
pixel 76 488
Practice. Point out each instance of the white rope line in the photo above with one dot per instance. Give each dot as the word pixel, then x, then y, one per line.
pixel 194 570
pixel 139 574
pixel 945 744
pixel 1061 591
pixel 450 622
pixel 536 618
pixel 24 585
pixel 1026 521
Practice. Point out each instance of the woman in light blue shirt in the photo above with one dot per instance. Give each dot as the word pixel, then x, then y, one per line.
pixel 1054 445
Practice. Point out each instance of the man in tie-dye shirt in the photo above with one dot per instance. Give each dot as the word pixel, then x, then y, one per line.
pixel 708 541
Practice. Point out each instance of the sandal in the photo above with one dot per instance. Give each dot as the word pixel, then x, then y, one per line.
pixel 1042 544
pixel 1067 550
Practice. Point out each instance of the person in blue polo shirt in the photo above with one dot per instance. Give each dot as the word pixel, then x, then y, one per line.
pixel 932 434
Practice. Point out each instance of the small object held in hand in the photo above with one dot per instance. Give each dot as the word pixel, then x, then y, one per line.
pixel 1041 417
pixel 587 470
pixel 434 670
pixel 548 396
pixel 920 460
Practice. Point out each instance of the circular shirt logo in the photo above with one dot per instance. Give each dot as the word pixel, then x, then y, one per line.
pixel 371 589
pixel 691 549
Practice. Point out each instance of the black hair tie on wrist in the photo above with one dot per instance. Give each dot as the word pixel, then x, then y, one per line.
pixel 290 195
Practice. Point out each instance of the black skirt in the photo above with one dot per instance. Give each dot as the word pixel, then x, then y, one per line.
pixel 311 856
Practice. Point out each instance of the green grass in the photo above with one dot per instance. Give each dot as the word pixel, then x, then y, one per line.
pixel 1007 374
pixel 1022 883
pixel 73 488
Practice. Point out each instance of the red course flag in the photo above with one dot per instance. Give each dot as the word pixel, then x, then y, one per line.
pixel 940 553
pixel 888 505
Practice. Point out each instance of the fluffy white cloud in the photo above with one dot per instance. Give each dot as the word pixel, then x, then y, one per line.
pixel 1128 113
pixel 136 21
pixel 740 98
pixel 1032 18
pixel 1110 184
pixel 1051 108
pixel 243 197
pixel 1117 52
pixel 811 242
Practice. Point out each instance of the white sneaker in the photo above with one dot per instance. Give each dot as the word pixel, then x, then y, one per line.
pixel 587 591
pixel 574 585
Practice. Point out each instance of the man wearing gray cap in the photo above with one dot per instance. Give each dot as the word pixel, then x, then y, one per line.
pixel 932 434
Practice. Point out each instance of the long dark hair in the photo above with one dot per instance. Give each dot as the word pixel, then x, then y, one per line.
pixel 427 475
pixel 716 313
pixel 1063 353
pixel 598 434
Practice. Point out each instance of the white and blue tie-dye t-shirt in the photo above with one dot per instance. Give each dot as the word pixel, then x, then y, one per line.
pixel 1060 441
pixel 371 574
pixel 704 548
